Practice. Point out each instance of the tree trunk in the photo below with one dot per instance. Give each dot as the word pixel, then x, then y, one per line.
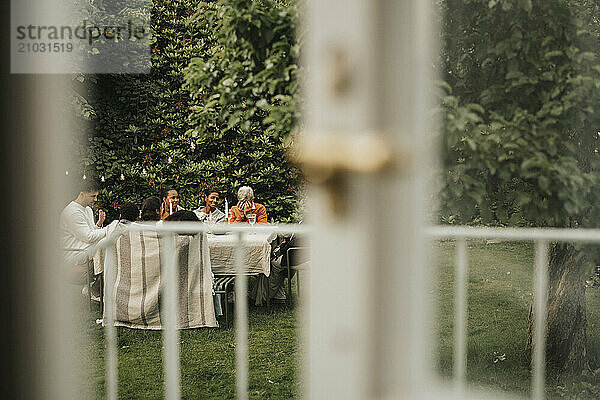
pixel 566 324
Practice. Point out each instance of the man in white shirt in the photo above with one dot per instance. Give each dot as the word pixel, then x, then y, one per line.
pixel 78 232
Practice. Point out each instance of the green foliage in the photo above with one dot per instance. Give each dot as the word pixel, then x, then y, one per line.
pixel 243 99
pixel 520 134
pixel 114 50
pixel 159 131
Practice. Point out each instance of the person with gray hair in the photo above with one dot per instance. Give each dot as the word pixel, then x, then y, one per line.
pixel 247 207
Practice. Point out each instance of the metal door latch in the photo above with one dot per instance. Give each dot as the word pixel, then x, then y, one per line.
pixel 328 158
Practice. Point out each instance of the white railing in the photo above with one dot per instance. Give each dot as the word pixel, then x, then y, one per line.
pixel 541 237
pixel 170 332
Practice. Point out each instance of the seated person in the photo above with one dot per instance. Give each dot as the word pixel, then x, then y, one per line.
pixel 128 213
pixel 247 206
pixel 151 209
pixel 183 215
pixel 79 231
pixel 170 203
pixel 265 289
pixel 210 212
pixel 141 257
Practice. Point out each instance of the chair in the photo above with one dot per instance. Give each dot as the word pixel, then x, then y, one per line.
pixel 90 265
pixel 294 254
pixel 223 285
pixel 138 286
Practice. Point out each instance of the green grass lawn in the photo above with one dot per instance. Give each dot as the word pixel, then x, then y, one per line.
pixel 500 285
pixel 499 295
pixel 207 359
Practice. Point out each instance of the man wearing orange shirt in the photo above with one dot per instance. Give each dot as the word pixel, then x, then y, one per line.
pixel 246 206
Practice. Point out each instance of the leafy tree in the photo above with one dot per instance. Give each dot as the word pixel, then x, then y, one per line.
pixel 145 133
pixel 521 134
pixel 243 97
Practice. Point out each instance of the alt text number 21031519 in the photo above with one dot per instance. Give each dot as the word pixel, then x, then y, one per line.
pixel 45 47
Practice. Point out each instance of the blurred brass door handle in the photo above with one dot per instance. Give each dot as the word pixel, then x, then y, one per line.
pixel 326 158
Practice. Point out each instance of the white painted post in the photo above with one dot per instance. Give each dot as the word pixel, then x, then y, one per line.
pixel 367 315
pixel 50 327
pixel 340 303
pixel 241 321
pixel 460 315
pixel 170 272
pixel 112 373
pixel 539 319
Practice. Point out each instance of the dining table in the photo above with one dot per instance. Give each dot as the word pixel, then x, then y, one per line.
pixel 256 248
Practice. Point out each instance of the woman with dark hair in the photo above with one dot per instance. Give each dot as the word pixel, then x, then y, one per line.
pixel 151 209
pixel 182 215
pixel 129 212
pixel 170 202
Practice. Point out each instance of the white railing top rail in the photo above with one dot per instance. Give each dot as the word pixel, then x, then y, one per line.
pixel 520 234
pixel 185 227
pixel 197 227
pixel 438 231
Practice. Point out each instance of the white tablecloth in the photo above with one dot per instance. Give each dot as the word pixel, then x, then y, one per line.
pixel 257 250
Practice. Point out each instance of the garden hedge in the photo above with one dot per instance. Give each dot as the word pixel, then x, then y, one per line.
pixel 216 110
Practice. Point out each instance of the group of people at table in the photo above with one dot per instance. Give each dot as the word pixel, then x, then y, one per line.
pixel 80 230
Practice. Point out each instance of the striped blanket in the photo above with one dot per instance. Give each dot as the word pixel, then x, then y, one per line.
pixel 138 286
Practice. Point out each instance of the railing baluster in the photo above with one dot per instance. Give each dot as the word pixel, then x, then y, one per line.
pixel 169 312
pixel 460 314
pixel 112 373
pixel 539 319
pixel 241 321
